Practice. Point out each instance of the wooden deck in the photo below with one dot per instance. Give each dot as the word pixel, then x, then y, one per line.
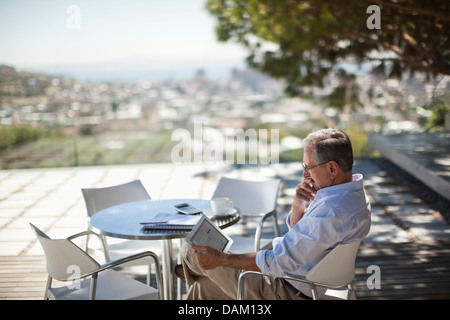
pixel 415 270
pixel 22 277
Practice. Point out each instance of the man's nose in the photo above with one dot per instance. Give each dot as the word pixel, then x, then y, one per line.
pixel 305 174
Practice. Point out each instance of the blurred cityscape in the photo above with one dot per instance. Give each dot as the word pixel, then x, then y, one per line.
pixel 97 123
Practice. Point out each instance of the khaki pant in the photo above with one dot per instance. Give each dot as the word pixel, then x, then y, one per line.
pixel 221 283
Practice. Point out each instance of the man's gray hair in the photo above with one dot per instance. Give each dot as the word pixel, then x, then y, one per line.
pixel 331 144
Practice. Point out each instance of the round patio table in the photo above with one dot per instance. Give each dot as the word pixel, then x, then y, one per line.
pixel 124 221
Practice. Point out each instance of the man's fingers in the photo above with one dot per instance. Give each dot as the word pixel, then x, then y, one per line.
pixel 305 191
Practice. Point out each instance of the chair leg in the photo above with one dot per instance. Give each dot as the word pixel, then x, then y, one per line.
pixel 179 281
pixel 104 244
pixel 149 274
pixel 93 287
pixel 351 292
pixel 105 248
pixel 47 287
pixel 314 291
pixel 87 244
pixel 87 238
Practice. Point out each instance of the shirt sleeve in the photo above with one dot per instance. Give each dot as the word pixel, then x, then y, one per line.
pixel 300 248
pixel 276 240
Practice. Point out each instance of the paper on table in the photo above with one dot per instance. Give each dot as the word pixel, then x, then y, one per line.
pixel 175 219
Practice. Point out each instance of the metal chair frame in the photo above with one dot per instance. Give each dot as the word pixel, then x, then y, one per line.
pixel 335 270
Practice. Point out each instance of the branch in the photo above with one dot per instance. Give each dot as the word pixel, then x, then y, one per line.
pixel 415 10
pixel 412 42
pixel 414 64
pixel 409 60
pixel 409 39
pixel 384 44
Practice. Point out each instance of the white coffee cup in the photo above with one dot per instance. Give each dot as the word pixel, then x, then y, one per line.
pixel 221 205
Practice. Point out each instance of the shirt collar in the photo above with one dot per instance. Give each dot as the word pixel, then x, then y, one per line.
pixel 355 184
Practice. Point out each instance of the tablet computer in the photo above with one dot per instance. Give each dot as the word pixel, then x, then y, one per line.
pixel 206 233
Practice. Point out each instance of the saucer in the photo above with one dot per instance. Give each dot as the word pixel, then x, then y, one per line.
pixel 226 213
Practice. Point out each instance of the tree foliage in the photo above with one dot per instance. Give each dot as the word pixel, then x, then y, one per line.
pixel 304 41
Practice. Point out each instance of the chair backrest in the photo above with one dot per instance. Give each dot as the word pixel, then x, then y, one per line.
pixel 64 258
pixel 97 199
pixel 251 197
pixel 337 268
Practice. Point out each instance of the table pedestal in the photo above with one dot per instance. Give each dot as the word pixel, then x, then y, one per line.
pixel 168 291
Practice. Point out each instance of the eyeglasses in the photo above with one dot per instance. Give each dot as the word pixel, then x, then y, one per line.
pixel 306 168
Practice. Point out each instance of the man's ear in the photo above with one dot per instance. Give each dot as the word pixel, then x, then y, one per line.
pixel 334 167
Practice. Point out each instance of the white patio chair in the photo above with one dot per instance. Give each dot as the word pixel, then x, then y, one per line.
pixel 335 272
pixel 255 199
pixel 85 278
pixel 97 199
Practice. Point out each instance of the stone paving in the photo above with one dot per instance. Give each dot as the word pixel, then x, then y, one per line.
pixel 52 200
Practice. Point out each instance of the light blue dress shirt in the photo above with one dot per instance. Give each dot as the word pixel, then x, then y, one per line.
pixel 338 214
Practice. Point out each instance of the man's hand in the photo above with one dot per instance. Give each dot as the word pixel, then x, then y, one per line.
pixel 304 193
pixel 208 257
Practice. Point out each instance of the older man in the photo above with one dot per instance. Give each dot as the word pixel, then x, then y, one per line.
pixel 338 212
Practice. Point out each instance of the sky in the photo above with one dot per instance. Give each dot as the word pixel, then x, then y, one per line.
pixel 109 38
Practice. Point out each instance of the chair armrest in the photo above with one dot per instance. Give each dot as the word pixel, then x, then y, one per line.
pixel 259 228
pixel 80 234
pixel 100 238
pixel 266 215
pixel 313 283
pixel 296 278
pixel 118 262
pixel 241 282
pixel 243 275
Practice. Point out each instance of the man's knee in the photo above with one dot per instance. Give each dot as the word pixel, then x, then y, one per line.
pixel 185 249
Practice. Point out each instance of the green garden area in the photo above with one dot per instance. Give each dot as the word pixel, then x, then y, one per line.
pixel 60 151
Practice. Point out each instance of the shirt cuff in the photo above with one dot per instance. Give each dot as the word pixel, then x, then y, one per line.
pixel 261 260
pixel 288 220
